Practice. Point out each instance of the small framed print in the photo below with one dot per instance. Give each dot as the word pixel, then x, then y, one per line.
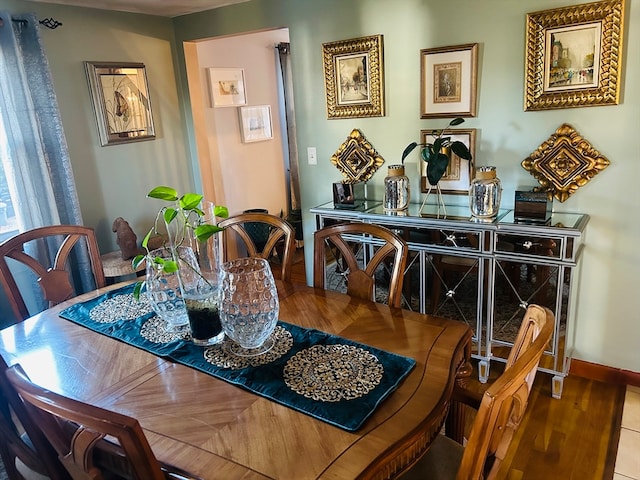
pixel 255 123
pixel 227 87
pixel 120 97
pixel 457 178
pixel 448 78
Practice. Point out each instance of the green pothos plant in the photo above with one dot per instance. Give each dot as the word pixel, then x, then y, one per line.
pixel 182 215
pixel 435 154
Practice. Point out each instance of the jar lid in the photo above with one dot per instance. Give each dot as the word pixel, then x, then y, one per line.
pixel 486 172
pixel 396 170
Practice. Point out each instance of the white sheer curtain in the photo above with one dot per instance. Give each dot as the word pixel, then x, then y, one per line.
pixel 33 147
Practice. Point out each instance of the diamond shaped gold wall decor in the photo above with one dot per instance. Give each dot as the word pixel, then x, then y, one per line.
pixel 564 163
pixel 356 158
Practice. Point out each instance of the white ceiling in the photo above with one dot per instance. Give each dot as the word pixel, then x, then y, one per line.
pixel 163 8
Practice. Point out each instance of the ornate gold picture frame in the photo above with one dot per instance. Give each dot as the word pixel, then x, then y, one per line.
pixel 574 56
pixel 354 77
pixel 448 81
pixel 564 162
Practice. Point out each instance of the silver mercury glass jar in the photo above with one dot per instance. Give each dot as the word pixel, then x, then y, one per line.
pixel 485 193
pixel 396 189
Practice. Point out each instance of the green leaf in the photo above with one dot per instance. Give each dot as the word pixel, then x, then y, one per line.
pixel 190 201
pixel 170 266
pixel 428 153
pixel 169 214
pixel 436 168
pixel 159 261
pixel 137 289
pixel 461 150
pixel 439 143
pixel 203 232
pixel 164 193
pixel 137 261
pixel 408 150
pixel 145 240
pixel 456 121
pixel 221 211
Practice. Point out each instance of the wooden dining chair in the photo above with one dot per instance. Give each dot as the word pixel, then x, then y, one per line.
pixel 25 451
pixel 78 432
pixel 54 278
pixel 361 281
pixel 279 236
pixel 500 410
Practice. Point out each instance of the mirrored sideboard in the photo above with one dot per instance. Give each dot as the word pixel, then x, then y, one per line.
pixel 485 273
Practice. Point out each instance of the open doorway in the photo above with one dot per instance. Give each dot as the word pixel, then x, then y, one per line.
pixel 240 173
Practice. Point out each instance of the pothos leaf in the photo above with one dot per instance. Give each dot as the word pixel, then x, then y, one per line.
pixel 164 193
pixel 221 211
pixel 203 232
pixel 169 214
pixel 137 261
pixel 170 266
pixel 137 289
pixel 190 201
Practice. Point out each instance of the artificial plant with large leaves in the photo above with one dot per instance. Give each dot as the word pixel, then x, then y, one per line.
pixel 435 154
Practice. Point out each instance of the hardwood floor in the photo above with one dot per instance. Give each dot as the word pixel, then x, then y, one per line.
pixel 572 438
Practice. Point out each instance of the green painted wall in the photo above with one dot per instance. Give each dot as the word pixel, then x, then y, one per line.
pixel 607 326
pixel 113 180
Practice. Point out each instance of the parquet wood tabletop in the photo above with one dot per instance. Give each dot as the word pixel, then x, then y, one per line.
pixel 217 430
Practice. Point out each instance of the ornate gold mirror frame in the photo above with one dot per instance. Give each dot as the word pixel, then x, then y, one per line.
pixel 564 163
pixel 356 158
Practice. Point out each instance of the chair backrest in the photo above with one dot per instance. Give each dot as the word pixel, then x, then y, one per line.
pixel 21 455
pixel 77 430
pixel 278 235
pixel 53 279
pixel 504 403
pixel 361 281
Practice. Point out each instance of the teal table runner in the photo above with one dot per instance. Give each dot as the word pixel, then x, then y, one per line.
pixel 328 377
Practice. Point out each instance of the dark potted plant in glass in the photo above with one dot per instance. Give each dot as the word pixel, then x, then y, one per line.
pixel 437 155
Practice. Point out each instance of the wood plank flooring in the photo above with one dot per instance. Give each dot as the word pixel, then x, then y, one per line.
pixel 572 438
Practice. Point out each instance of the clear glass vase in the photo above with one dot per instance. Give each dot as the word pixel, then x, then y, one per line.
pixel 249 305
pixel 163 288
pixel 199 280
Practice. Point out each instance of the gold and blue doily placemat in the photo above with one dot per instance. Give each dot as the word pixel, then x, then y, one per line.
pixel 333 379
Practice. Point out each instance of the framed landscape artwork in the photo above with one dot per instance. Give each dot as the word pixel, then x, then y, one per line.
pixel 354 77
pixel 578 63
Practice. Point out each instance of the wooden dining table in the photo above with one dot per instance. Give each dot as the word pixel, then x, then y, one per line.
pixel 217 430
